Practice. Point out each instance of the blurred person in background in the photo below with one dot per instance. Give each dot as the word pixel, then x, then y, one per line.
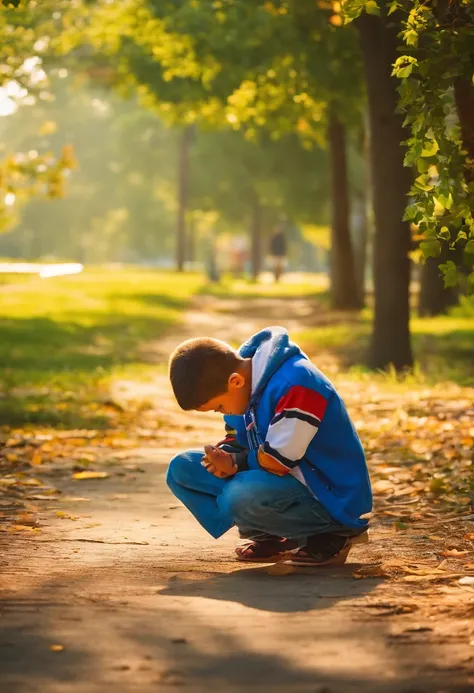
pixel 278 250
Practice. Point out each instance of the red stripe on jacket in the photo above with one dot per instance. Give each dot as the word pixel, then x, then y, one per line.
pixel 299 397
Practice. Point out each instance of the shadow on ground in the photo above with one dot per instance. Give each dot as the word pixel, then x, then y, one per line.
pixel 196 635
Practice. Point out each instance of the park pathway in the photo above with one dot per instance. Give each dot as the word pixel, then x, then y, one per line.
pixel 123 592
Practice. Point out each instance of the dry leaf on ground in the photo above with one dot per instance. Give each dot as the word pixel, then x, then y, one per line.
pixel 65 516
pixel 375 570
pixel 467 580
pixel 89 475
pixel 22 528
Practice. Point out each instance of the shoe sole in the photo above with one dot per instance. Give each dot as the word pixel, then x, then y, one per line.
pixel 270 559
pixel 339 559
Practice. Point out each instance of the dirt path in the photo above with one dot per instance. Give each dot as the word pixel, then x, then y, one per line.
pixel 124 592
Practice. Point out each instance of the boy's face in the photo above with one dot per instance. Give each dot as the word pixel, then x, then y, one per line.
pixel 235 401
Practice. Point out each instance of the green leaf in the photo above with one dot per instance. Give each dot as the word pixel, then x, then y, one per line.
pixel 403 72
pixel 393 7
pixel 410 213
pixel 423 165
pixel 371 7
pixel 431 247
pixel 470 281
pixel 450 272
pixel 423 183
pixel 411 37
pixel 445 200
pixel 403 66
pixel 469 249
pixel 430 148
pixel 444 232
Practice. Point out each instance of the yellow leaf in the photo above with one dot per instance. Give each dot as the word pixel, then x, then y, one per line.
pixel 454 553
pixel 65 516
pixel 37 458
pixel 56 648
pixel 90 475
pixel 336 20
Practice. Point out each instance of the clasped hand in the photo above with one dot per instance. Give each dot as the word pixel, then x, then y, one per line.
pixel 219 462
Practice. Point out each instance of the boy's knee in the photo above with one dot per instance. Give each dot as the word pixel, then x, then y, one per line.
pixel 180 469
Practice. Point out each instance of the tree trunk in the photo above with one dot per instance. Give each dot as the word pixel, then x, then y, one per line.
pixel 256 244
pixel 390 344
pixel 361 237
pixel 191 239
pixel 344 290
pixel 183 189
pixel 464 95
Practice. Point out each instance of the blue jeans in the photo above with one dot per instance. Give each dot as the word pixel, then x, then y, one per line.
pixel 259 503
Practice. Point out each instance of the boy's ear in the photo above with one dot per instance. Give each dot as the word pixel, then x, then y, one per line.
pixel 236 380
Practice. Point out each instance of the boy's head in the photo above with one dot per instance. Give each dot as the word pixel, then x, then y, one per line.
pixel 207 374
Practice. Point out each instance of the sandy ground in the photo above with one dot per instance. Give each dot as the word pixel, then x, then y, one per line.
pixel 125 592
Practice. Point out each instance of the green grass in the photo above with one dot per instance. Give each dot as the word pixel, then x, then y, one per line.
pixel 63 339
pixel 290 286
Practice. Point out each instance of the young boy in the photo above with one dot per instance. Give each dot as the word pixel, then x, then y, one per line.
pixel 291 472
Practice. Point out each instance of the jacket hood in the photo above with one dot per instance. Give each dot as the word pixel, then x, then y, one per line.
pixel 268 349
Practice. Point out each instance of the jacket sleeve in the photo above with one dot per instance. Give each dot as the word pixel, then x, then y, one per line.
pixel 231 444
pixel 297 418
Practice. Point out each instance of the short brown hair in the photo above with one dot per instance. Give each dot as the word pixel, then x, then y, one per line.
pixel 199 370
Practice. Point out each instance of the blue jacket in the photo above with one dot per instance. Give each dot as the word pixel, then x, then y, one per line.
pixel 297 424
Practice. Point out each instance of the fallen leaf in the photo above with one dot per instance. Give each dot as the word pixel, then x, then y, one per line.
pixel 56 648
pixel 467 580
pixel 382 486
pixel 27 519
pixel 469 537
pixel 432 577
pixel 22 528
pixel 89 475
pixel 31 482
pixel 65 516
pixel 37 458
pixel 454 553
pixel 74 499
pixel 41 496
pixel 375 570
